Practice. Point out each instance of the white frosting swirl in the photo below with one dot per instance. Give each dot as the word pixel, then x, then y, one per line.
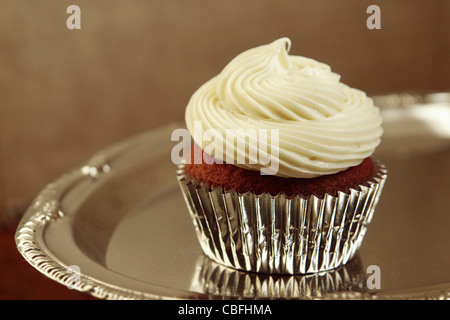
pixel 324 125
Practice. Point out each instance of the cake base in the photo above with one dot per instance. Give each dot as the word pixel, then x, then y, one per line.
pixel 231 177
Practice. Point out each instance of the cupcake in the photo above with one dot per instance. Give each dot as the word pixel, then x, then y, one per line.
pixel 280 178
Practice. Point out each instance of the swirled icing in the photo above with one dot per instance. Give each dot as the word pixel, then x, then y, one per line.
pixel 324 126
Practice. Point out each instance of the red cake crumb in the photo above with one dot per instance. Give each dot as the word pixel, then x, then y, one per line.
pixel 231 177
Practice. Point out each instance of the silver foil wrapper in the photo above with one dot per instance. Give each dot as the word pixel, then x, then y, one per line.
pixel 280 235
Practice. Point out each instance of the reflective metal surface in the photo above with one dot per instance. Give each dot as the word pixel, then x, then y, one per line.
pixel 121 219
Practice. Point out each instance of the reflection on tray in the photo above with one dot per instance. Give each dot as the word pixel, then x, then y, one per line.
pixel 215 279
pixel 406 100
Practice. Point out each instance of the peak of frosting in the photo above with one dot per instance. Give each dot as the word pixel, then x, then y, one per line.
pixel 324 126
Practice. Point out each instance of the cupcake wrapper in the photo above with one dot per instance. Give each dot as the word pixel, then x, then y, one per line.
pixel 276 234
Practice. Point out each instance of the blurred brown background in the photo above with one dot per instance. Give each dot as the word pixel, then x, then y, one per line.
pixel 65 94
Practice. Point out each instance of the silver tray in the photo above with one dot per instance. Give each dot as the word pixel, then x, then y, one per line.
pixel 118 227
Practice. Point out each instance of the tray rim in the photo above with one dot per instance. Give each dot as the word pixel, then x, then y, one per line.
pixel 44 210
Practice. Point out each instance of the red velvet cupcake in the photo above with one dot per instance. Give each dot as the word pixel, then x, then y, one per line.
pixel 282 178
